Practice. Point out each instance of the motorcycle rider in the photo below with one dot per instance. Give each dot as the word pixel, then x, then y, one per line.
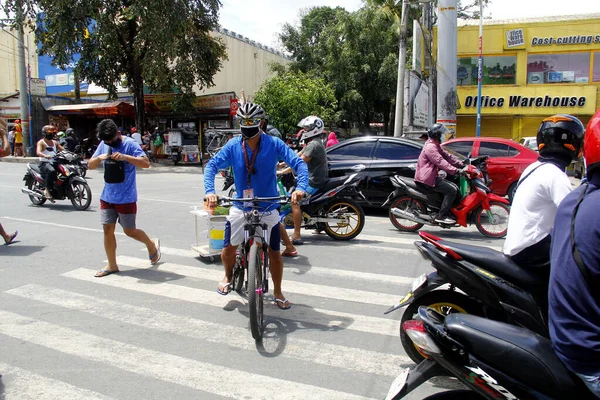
pixel 315 157
pixel 543 185
pixel 46 150
pixel 432 159
pixel 253 157
pixel 69 142
pixel 574 304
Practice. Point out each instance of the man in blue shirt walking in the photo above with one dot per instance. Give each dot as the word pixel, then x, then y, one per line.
pixel 254 157
pixel 574 295
pixel 118 201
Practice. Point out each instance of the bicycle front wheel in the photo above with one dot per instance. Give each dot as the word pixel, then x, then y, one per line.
pixel 255 291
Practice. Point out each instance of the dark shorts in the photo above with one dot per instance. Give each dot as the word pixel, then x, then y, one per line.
pixel 124 213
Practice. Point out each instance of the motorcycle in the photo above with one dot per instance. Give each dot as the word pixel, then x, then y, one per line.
pixel 69 184
pixel 80 165
pixel 475 280
pixel 176 154
pixel 493 359
pixel 330 209
pixel 413 205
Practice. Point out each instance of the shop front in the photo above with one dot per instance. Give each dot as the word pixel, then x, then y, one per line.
pixel 531 69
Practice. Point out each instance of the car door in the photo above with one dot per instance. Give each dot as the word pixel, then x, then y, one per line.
pixel 502 164
pixel 391 158
pixel 350 157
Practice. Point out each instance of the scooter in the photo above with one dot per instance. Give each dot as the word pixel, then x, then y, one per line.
pixel 69 184
pixel 413 205
pixel 493 359
pixel 175 154
pixel 475 280
pixel 331 209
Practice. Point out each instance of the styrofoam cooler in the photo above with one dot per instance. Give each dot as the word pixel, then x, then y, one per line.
pixel 216 232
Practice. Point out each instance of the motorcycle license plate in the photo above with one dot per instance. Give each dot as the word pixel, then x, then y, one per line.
pixel 398 384
pixel 417 283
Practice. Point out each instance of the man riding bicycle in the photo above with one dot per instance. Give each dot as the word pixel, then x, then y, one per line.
pixel 254 157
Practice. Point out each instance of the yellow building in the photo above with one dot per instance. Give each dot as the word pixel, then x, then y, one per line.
pixel 532 68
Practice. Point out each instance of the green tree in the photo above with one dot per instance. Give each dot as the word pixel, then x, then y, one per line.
pixel 165 45
pixel 290 96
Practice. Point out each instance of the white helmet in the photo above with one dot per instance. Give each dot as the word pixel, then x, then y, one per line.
pixel 250 115
pixel 312 126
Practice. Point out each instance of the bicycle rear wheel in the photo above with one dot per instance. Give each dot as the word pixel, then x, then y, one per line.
pixel 255 291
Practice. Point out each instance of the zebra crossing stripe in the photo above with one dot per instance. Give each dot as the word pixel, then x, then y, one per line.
pixel 300 313
pixel 198 375
pixel 21 384
pixel 306 350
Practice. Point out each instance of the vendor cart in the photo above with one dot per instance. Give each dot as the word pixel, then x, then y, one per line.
pixel 210 232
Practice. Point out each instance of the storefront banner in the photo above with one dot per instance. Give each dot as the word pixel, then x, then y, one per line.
pixel 233 106
pixel 164 102
pixel 515 38
pixel 528 100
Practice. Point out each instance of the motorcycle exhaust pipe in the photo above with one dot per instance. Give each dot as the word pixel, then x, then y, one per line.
pixel 407 215
pixel 32 193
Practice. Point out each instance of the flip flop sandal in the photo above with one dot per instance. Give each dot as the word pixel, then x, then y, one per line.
pixel 105 272
pixel 296 242
pixel 289 254
pixel 156 254
pixel 282 304
pixel 12 238
pixel 226 288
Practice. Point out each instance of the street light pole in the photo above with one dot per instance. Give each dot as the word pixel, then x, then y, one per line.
pixel 399 115
pixel 23 80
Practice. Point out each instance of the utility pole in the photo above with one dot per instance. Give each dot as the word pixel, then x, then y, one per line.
pixel 23 93
pixel 399 115
pixel 479 70
pixel 446 63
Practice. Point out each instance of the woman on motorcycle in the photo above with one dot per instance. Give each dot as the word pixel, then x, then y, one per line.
pixel 433 158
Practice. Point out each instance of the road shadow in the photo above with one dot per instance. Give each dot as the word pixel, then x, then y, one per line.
pixel 152 275
pixel 16 250
pixel 299 263
pixel 64 207
pixel 2 391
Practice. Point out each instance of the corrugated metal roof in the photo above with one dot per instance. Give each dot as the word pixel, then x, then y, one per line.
pixel 87 106
pixel 576 17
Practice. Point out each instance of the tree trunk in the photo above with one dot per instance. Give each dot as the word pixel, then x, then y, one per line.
pixel 138 101
pixel 77 88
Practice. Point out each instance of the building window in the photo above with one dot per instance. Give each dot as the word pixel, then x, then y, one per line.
pixel 557 68
pixel 497 70
pixel 596 74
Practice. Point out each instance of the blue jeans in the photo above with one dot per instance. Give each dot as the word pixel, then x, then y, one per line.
pixel 592 383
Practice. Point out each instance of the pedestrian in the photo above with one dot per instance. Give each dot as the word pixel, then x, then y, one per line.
pixel 11 141
pixel 135 135
pixel 19 152
pixel 253 157
pixel 332 140
pixel 120 156
pixel 8 238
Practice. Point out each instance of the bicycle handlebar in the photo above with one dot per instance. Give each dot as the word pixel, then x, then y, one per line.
pixel 224 199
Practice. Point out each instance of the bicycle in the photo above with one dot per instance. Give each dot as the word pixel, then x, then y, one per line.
pixel 251 262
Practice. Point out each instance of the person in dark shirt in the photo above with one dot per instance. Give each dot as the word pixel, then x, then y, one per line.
pixel 70 141
pixel 574 294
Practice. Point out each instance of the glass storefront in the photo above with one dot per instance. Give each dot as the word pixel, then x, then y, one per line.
pixel 558 68
pixel 596 72
pixel 497 70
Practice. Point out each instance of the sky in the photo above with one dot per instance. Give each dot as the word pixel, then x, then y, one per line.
pixel 262 20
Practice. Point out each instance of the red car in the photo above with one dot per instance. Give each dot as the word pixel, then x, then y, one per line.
pixel 507 160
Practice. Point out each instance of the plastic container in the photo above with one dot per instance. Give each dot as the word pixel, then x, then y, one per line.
pixel 216 232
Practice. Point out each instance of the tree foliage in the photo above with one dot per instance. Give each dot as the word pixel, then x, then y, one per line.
pixel 163 44
pixel 290 96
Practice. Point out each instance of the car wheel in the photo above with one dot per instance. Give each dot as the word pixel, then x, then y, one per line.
pixel 512 189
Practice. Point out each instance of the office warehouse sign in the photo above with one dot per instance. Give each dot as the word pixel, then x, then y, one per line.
pixel 524 101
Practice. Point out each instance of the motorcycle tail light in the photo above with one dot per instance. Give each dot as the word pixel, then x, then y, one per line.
pixel 419 336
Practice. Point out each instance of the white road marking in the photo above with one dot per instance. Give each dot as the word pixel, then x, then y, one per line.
pixel 162 366
pixel 411 241
pixel 304 314
pixel 332 272
pixel 300 349
pixel 307 289
pixel 21 384
pixel 81 228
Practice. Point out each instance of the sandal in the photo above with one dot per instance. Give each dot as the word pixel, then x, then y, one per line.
pixel 283 304
pixel 224 289
pixel 11 239
pixel 156 254
pixel 105 272
pixel 286 253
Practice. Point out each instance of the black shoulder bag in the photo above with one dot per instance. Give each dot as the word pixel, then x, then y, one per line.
pixel 114 171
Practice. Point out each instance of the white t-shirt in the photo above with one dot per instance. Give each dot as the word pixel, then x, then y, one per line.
pixel 534 206
pixel 137 137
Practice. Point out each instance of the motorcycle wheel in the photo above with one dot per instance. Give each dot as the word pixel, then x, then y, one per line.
pixel 455 395
pixel 82 196
pixel 498 227
pixel 445 302
pixel 33 185
pixel 405 225
pixel 356 222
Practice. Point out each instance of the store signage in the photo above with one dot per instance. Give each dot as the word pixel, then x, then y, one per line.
pixel 515 38
pixel 37 87
pixel 565 40
pixel 233 106
pixel 516 101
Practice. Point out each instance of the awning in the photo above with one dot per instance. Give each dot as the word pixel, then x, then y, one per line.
pixel 110 109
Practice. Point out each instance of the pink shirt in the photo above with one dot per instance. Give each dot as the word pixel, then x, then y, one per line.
pixel 431 160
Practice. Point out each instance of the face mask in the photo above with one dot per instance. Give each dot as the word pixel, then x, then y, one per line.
pixel 115 143
pixel 50 135
pixel 249 133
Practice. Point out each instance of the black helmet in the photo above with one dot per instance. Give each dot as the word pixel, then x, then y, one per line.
pixel 436 131
pixel 560 135
pixel 70 132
